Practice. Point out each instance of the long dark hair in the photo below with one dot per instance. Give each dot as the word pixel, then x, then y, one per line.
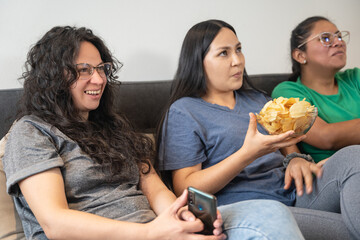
pixel 189 80
pixel 299 35
pixel 50 71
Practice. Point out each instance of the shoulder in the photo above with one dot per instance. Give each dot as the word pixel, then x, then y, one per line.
pixel 30 130
pixel 251 93
pixel 189 111
pixel 185 104
pixel 289 89
pixel 352 74
pixel 30 149
pixel 29 123
pixel 288 85
pixel 33 120
pixel 350 78
pixel 184 101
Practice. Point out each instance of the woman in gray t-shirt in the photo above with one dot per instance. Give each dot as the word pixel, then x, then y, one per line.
pixel 75 168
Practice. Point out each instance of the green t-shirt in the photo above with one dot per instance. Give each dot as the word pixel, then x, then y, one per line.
pixel 343 106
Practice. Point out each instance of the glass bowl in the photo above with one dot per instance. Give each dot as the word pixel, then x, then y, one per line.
pixel 275 122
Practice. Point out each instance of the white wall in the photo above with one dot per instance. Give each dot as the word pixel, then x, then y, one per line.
pixel 146 35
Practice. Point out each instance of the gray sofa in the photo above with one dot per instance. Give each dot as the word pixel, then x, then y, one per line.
pixel 142 103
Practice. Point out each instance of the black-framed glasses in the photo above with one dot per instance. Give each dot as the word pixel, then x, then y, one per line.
pixel 86 70
pixel 327 38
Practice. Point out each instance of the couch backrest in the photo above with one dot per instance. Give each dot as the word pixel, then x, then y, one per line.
pixel 267 82
pixel 141 102
pixel 8 103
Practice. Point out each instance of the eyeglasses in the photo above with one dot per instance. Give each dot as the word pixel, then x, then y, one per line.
pixel 85 70
pixel 327 38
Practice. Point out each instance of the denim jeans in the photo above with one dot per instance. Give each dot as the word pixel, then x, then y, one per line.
pixel 259 219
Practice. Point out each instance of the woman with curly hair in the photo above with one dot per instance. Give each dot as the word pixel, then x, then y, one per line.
pixel 75 168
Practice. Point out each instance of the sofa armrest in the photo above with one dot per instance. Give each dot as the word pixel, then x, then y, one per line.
pixel 10 223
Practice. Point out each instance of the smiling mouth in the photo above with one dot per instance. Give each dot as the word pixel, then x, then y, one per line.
pixel 93 92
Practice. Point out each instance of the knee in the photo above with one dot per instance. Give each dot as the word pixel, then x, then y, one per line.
pixel 276 208
pixel 347 156
pixel 261 217
pixel 352 149
pixel 255 210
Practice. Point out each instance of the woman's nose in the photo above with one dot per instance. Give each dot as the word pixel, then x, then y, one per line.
pixel 338 41
pixel 96 78
pixel 236 59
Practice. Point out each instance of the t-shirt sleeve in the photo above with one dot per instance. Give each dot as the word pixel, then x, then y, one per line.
pixel 353 77
pixel 290 89
pixel 181 145
pixel 28 151
pixel 357 77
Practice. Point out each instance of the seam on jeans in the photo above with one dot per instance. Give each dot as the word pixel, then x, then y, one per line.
pixel 307 214
pixel 345 210
pixel 337 183
pixel 317 195
pixel 254 229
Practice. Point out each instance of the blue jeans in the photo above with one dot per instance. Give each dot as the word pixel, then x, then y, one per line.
pixel 259 219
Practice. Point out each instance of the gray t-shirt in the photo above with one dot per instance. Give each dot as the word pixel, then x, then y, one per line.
pixel 196 131
pixel 35 146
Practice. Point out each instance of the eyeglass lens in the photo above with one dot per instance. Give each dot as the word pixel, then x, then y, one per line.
pixel 86 70
pixel 328 38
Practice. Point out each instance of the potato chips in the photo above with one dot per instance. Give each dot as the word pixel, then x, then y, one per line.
pixel 283 114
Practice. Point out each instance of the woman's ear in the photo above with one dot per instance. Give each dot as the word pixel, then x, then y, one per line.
pixel 299 56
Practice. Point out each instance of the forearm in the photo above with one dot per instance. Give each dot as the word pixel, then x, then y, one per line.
pixel 161 200
pixel 158 195
pixel 334 136
pixel 216 177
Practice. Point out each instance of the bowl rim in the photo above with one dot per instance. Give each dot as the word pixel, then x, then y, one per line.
pixel 313 113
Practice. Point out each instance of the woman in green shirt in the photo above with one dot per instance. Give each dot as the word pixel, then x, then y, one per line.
pixel 318 51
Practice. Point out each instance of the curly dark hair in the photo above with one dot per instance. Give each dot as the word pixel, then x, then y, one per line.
pixel 50 70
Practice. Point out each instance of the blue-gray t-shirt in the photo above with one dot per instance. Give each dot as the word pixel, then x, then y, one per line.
pixel 196 131
pixel 35 146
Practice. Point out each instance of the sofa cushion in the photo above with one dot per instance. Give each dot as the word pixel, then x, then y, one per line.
pixel 10 223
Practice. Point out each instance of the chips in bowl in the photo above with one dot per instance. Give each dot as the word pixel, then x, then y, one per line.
pixel 283 114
